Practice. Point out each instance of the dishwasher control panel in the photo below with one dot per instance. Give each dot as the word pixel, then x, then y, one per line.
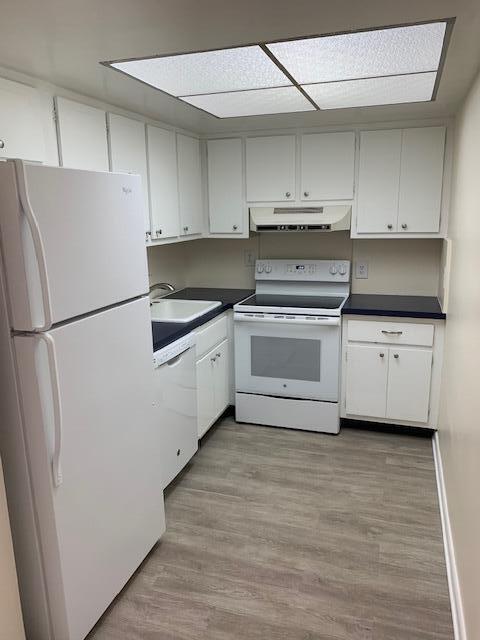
pixel 173 350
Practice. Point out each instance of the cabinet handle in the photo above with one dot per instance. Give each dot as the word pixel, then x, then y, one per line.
pixel 404 226
pixel 235 227
pixel 179 452
pixel 148 236
pixel 306 193
pixel 159 232
pixel 392 333
pixel 395 355
pixel 288 194
pixel 2 144
pixel 389 226
pixel 218 355
pixel 382 355
pixel 213 359
pixel 185 228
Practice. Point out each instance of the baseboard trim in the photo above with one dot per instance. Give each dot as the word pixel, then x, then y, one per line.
pixel 386 427
pixel 452 574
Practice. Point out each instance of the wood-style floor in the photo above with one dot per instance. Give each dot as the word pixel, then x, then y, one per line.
pixel 275 534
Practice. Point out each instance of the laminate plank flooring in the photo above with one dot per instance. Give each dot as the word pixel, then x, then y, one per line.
pixel 276 534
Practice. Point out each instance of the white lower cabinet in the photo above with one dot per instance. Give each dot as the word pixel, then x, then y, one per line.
pixel 213 371
pixel 213 393
pixel 409 378
pixel 366 373
pixel 391 371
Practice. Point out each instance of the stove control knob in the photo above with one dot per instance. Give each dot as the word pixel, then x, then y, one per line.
pixel 333 269
pixel 342 269
pixel 260 268
pixel 268 269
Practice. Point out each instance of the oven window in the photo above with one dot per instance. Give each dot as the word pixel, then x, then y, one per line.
pixel 286 358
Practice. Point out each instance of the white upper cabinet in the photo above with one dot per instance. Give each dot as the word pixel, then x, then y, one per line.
pixel 378 181
pixel 162 170
pixel 189 185
pixel 226 204
pixel 82 136
pixel 400 181
pixel 128 153
pixel 327 166
pixel 421 173
pixel 21 130
pixel 270 168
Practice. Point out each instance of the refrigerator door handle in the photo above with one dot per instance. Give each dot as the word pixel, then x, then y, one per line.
pixel 37 243
pixel 57 408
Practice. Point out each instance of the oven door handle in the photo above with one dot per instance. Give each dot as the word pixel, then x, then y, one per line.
pixel 322 322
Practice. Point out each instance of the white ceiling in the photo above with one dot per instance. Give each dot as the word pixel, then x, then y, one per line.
pixel 62 42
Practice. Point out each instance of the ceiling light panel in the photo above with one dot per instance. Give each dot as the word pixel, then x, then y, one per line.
pixel 365 54
pixel 373 91
pixel 208 71
pixel 252 103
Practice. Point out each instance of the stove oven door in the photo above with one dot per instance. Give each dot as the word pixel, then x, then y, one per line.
pixel 300 359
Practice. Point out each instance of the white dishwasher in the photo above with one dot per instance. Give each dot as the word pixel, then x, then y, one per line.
pixel 176 404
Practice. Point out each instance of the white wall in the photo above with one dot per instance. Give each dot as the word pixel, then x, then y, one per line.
pixel 407 267
pixel 459 425
pixel 11 625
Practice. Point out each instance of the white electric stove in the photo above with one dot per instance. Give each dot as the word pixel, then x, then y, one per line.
pixel 287 344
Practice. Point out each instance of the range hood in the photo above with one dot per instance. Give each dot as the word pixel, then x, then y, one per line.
pixel 326 218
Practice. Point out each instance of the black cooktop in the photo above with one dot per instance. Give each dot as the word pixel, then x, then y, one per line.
pixel 299 302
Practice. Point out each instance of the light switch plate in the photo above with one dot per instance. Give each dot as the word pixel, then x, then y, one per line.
pixel 249 258
pixel 361 270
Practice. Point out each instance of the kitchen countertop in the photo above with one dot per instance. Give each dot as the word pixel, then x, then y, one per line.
pixel 395 306
pixel 165 333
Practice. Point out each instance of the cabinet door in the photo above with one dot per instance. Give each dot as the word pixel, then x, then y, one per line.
pixel 189 185
pixel 225 186
pixel 205 392
pixel 366 381
pixel 378 181
pixel 162 170
pixel 409 377
pixel 327 166
pixel 270 165
pixel 128 153
pixel 221 378
pixel 82 136
pixel 421 178
pixel 21 130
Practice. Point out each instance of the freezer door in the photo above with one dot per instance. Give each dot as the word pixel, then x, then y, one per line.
pixel 73 241
pixel 94 448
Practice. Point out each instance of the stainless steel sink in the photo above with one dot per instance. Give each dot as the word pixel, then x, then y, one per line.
pixel 173 310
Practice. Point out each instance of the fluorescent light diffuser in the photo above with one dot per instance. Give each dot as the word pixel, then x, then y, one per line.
pixel 388 65
pixel 368 92
pixel 251 103
pixel 208 72
pixel 366 54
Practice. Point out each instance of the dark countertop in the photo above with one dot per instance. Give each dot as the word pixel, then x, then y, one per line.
pixel 166 332
pixel 395 306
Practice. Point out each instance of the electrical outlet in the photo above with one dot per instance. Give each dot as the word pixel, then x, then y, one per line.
pixel 249 258
pixel 361 270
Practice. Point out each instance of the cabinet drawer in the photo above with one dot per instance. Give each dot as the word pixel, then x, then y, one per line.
pixel 390 332
pixel 210 335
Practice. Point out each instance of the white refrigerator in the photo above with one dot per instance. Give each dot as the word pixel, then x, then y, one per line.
pixel 78 441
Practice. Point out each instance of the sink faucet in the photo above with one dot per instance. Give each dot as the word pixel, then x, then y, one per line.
pixel 161 285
